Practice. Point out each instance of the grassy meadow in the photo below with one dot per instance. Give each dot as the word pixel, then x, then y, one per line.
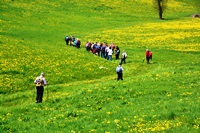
pixel 162 96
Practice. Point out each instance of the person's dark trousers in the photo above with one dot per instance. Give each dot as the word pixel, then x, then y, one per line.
pixel 40 90
pixel 78 45
pixel 123 60
pixel 67 42
pixel 103 54
pixel 106 55
pixel 117 56
pixel 147 58
pixel 98 51
pixel 119 76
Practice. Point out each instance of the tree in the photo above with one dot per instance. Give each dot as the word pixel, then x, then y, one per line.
pixel 161 5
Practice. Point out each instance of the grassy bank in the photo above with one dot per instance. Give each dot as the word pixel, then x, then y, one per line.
pixel 160 97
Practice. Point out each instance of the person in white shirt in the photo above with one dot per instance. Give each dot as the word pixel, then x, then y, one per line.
pixel 106 51
pixel 110 52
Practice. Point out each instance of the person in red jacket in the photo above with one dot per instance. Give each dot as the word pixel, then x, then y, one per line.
pixel 148 56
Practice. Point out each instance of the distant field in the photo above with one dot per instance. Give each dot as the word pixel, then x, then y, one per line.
pixel 160 97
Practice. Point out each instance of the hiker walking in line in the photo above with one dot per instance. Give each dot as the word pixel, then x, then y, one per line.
pixel 110 52
pixel 67 39
pixel 40 82
pixel 148 56
pixel 124 56
pixel 119 71
pixel 117 53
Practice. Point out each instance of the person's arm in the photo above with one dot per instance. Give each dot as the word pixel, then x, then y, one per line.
pixel 45 82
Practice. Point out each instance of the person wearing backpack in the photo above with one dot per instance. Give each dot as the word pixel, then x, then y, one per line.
pixel 119 71
pixel 40 82
pixel 124 56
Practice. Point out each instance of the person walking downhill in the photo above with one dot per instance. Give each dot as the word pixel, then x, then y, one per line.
pixel 119 71
pixel 40 82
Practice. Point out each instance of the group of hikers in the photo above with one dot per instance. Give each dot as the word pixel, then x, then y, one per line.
pixel 119 69
pixel 105 51
pixel 99 49
pixel 72 41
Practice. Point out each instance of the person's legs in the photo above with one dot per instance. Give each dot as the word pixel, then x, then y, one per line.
pixel 118 76
pixel 37 94
pixel 117 56
pixel 40 93
pixel 147 60
pixel 121 60
pixel 103 55
pixel 106 55
pixel 109 57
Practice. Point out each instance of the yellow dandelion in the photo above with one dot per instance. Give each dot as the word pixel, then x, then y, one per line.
pixel 108 112
pixel 116 121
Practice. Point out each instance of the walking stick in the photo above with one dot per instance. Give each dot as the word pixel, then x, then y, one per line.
pixel 47 92
pixel 34 92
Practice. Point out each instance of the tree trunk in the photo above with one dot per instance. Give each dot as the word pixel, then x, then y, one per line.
pixel 160 9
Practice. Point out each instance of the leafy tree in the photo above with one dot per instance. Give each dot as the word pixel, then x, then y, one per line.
pixel 160 5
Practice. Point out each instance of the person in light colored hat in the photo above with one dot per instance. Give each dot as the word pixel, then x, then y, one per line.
pixel 40 82
pixel 124 56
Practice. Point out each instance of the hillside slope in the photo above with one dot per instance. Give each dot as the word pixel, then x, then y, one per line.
pixel 81 97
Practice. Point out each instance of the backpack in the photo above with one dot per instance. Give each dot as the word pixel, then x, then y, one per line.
pixel 119 69
pixel 103 49
pixel 117 52
pixel 126 55
pixel 98 48
pixel 66 38
pixel 39 81
pixel 150 55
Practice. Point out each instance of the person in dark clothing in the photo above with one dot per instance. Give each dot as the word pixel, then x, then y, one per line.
pixel 117 53
pixel 119 71
pixel 67 40
pixel 78 43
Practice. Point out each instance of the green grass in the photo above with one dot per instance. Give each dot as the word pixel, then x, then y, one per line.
pixel 160 97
